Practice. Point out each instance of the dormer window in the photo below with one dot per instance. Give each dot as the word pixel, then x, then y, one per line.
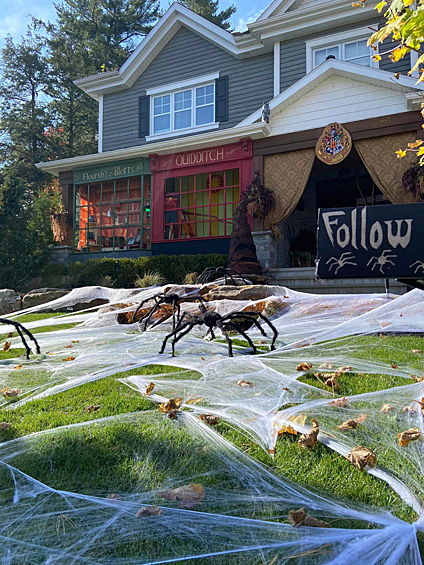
pixel 185 107
pixel 350 46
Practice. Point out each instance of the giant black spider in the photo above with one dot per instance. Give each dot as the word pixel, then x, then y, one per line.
pixel 162 298
pixel 210 272
pixel 224 323
pixel 21 330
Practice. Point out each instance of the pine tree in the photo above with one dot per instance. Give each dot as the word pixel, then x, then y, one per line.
pixel 208 9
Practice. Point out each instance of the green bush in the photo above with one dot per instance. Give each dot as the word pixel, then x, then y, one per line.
pixel 124 272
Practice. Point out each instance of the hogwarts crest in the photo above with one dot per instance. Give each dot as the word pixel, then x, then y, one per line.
pixel 334 144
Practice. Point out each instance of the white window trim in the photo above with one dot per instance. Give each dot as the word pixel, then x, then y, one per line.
pixel 183 86
pixel 337 39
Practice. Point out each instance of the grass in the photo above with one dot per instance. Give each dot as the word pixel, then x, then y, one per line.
pixel 44 329
pixel 137 456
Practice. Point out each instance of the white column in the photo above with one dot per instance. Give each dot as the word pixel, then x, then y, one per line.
pixel 100 130
pixel 414 58
pixel 277 68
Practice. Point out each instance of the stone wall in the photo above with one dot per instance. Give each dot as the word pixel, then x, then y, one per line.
pixel 60 254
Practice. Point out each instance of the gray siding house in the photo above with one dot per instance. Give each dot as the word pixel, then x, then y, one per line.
pixel 180 132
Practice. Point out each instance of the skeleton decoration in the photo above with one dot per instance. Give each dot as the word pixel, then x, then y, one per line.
pixel 21 331
pixel 230 322
pixel 265 112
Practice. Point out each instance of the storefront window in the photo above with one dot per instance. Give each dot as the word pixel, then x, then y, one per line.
pixel 200 206
pixel 113 215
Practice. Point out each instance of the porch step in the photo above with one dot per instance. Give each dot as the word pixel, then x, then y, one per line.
pixel 303 280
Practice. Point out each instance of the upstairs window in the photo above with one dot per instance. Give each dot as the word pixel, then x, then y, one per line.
pixel 350 46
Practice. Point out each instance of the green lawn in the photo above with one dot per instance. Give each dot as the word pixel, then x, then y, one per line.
pixel 108 459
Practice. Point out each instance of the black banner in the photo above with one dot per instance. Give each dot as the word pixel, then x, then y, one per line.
pixel 371 242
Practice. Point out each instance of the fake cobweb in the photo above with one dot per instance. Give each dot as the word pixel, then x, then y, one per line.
pixel 178 491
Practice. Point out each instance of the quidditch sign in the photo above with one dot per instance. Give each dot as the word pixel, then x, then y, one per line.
pixel 334 144
pixel 371 242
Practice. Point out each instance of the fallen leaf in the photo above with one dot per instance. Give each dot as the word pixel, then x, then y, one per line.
pixel 421 404
pixel 408 410
pixel 342 370
pixel 5 426
pixel 75 341
pixel 385 324
pixel 394 366
pixel 194 400
pixel 348 425
pixel 386 408
pixel 10 392
pixel 327 365
pixel 92 408
pixel 417 379
pixel 9 335
pixel 299 419
pixel 114 496
pixel 69 346
pixel 410 435
pixel 287 430
pixel 304 367
pixel 309 440
pixel 415 351
pixel 332 382
pixel 170 405
pixel 18 367
pixel 7 345
pixel 341 402
pixel 301 518
pixel 286 388
pixel 360 457
pixel 245 384
pixel 187 495
pixel 202 358
pixel 271 450
pixel 68 359
pixel 210 419
pixel 149 389
pixel 148 511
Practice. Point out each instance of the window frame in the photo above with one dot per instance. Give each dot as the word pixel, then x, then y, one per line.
pixel 338 40
pixel 172 90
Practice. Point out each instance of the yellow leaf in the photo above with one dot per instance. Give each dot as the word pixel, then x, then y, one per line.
pixel 408 2
pixel 380 6
pixel 376 57
pixel 401 153
pixel 420 151
pixel 398 53
pixel 415 144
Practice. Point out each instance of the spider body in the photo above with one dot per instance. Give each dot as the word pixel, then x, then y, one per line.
pixel 21 331
pixel 227 323
pixel 210 274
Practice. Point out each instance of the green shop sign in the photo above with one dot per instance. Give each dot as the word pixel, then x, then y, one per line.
pixel 111 171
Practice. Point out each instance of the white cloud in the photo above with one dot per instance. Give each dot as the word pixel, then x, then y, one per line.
pixel 251 16
pixel 16 16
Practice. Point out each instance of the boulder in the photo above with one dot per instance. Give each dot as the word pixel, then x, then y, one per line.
pixel 248 292
pixel 42 295
pixel 10 301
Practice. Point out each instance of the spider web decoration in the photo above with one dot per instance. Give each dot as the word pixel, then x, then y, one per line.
pixel 180 492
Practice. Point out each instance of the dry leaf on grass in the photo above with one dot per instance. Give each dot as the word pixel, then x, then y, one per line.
pixel 92 408
pixel 75 341
pixel 421 404
pixel 417 379
pixel 149 389
pixel 286 388
pixel 69 359
pixel 353 424
pixel 10 392
pixel 9 335
pixel 69 346
pixel 287 430
pixel 18 366
pixel 7 345
pixel 309 440
pixel 394 366
pixel 341 402
pixel 326 366
pixel 210 419
pixel 332 382
pixel 148 511
pixel 187 495
pixel 301 518
pixel 304 367
pixel 5 426
pixel 342 370
pixel 245 384
pixel 194 400
pixel 386 408
pixel 299 419
pixel 114 496
pixel 408 410
pixel 410 435
pixel 415 351
pixel 360 457
pixel 170 405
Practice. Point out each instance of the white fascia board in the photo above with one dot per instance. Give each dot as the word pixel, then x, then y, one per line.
pixel 182 84
pixel 223 137
pixel 327 69
pixel 284 4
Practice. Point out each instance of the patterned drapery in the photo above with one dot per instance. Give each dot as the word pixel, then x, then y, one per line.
pixel 287 175
pixel 386 170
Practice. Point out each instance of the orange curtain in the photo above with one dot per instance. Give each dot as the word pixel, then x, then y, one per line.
pixel 287 175
pixel 386 170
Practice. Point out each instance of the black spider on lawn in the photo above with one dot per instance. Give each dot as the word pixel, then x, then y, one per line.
pixel 164 298
pixel 224 323
pixel 21 331
pixel 211 273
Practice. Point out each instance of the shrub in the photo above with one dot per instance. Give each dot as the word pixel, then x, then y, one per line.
pixel 150 279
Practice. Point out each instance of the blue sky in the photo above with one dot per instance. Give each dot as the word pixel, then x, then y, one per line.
pixel 14 13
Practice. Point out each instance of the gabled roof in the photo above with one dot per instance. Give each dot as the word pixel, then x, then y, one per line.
pixel 331 67
pixel 168 25
pixel 280 7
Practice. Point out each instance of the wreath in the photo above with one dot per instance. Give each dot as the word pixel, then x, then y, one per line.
pixel 265 200
pixel 413 181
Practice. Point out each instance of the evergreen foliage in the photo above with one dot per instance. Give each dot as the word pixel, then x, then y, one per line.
pixel 209 9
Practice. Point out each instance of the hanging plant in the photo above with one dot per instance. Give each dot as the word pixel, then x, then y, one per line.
pixel 413 181
pixel 265 200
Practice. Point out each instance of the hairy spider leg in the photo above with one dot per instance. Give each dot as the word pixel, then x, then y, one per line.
pixel 184 333
pixel 238 329
pixel 234 316
pixel 140 306
pixel 146 319
pixel 21 329
pixel 220 325
pixel 262 317
pixel 179 328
